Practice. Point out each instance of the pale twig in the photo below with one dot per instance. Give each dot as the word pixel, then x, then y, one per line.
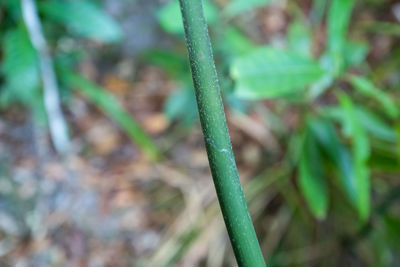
pixel 57 124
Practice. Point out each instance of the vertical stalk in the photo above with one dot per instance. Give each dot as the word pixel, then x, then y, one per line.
pixel 219 149
pixel 56 120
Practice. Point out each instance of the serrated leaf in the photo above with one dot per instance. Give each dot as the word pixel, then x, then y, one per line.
pixel 267 72
pixel 311 177
pixel 20 66
pixel 337 27
pixel 170 16
pixel 83 18
pixel 113 108
pixel 361 152
pixel 368 89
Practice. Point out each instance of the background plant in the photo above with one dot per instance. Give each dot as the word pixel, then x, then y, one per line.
pixel 21 60
pixel 346 123
pixel 311 96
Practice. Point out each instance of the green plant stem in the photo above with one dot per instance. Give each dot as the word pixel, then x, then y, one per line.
pixel 219 149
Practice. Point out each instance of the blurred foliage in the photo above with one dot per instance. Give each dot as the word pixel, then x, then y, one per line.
pixel 82 18
pixel 110 105
pixel 298 75
pixel 323 87
pixel 347 118
pixel 21 66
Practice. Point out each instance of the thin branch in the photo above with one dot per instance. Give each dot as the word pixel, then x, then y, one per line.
pixel 57 124
pixel 219 149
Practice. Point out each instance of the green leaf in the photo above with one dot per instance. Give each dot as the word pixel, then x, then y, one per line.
pixel 13 8
pixel 235 7
pixel 299 38
pixel 361 152
pixel 236 104
pixel 338 23
pixel 370 121
pixel 397 129
pixel 337 153
pixel 182 105
pixel 337 27
pixel 111 106
pixel 355 53
pixel 384 28
pixel 366 87
pixel 375 125
pixel 234 43
pixel 385 161
pixel 319 87
pixel 20 67
pixel 267 72
pixel 311 177
pixel 170 16
pixel 393 229
pixel 83 18
pixel 172 62
pixel 358 183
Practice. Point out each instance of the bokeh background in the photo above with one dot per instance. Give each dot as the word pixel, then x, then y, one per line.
pixel 102 161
